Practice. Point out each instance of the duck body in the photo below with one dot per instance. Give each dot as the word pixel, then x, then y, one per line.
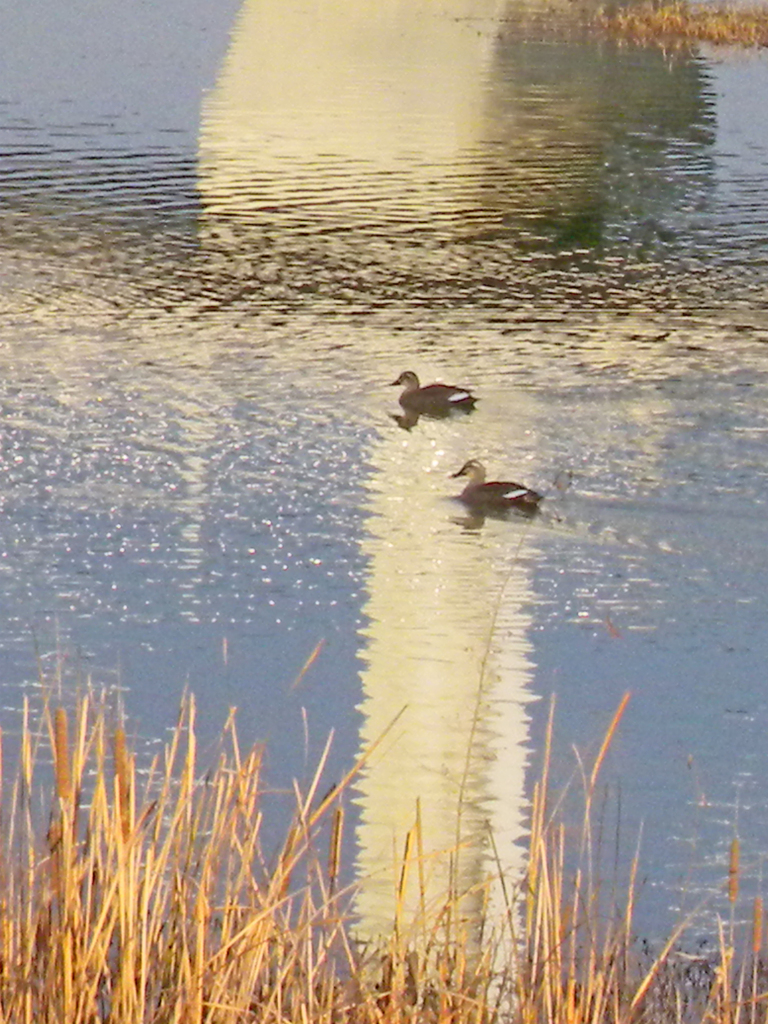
pixel 432 399
pixel 496 495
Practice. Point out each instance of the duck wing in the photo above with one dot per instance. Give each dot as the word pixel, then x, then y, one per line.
pixel 443 394
pixel 506 493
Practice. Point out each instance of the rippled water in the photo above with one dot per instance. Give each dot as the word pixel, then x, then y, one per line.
pixel 219 246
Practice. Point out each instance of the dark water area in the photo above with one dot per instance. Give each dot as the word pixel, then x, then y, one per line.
pixel 223 231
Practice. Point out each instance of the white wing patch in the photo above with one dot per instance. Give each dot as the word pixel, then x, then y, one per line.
pixel 515 492
pixel 458 396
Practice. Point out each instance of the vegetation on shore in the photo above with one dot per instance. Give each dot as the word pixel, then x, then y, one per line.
pixel 678 23
pixel 144 896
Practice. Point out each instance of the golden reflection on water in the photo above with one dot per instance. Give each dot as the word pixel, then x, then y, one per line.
pixel 335 109
pixel 444 687
pixel 389 114
pixel 433 151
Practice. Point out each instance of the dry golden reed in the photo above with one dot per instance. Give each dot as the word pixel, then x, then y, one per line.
pixel 61 754
pixel 153 902
pixel 334 848
pixel 733 870
pixel 123 782
pixel 757 925
pixel 681 24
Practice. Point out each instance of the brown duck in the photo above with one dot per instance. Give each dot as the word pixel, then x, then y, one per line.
pixel 495 495
pixel 432 399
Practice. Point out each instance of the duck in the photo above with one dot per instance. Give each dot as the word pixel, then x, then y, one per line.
pixel 432 399
pixel 496 495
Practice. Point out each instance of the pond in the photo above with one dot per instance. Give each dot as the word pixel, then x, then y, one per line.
pixel 225 230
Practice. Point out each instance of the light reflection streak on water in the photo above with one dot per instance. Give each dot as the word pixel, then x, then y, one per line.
pixel 445 684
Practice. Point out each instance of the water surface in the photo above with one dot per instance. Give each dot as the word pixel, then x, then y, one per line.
pixel 204 300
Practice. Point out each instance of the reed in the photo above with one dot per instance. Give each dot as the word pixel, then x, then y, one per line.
pixel 146 897
pixel 150 901
pixel 678 23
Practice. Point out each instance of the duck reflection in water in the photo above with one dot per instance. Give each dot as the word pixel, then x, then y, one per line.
pixel 495 498
pixel 434 400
